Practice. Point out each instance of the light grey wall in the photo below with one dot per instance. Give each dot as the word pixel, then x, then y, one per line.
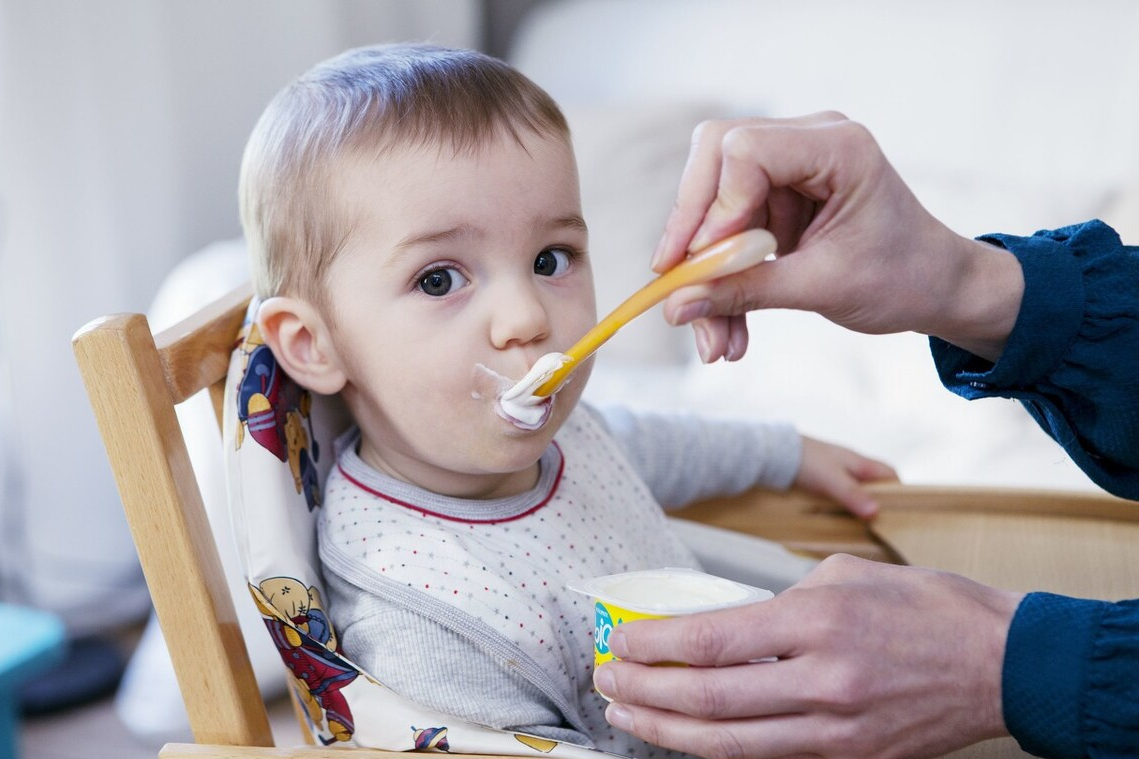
pixel 500 18
pixel 121 129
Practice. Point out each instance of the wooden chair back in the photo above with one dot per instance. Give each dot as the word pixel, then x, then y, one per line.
pixel 134 380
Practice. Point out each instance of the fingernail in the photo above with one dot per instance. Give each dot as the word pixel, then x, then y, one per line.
pixel 703 347
pixel 658 254
pixel 617 645
pixel 619 717
pixel 697 309
pixel 604 682
pixel 737 345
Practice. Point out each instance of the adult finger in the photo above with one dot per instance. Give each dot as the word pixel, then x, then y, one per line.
pixel 696 191
pixel 721 337
pixel 715 638
pixel 742 189
pixel 701 183
pixel 753 689
pixel 737 337
pixel 734 295
pixel 758 738
pixel 760 157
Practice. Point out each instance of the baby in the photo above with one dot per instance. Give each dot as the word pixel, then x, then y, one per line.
pixel 416 232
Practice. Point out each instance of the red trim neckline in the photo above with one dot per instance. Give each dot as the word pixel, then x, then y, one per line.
pixel 448 517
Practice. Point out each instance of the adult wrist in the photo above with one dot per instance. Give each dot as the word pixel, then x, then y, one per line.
pixel 984 300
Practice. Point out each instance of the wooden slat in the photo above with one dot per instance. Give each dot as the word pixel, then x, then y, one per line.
pixel 199 751
pixel 194 353
pixel 1096 505
pixel 1085 557
pixel 121 368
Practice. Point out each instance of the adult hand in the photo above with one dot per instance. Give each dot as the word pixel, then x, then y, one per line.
pixel 874 660
pixel 855 245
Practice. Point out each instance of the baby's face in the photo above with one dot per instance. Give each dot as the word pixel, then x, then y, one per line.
pixel 459 273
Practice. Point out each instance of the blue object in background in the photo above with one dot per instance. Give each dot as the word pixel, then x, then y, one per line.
pixel 31 642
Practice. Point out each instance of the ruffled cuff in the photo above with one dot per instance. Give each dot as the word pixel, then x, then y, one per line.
pixel 1111 714
pixel 1070 684
pixel 1072 357
pixel 1051 313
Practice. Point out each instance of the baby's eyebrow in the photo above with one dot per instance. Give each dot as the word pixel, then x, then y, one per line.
pixel 470 231
pixel 573 221
pixel 439 235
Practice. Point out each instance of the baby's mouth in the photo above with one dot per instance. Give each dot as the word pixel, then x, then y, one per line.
pixel 514 402
pixel 520 405
pixel 526 416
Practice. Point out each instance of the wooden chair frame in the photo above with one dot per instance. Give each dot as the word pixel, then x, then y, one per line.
pixel 135 379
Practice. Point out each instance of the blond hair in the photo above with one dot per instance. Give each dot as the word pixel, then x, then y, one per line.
pixel 365 101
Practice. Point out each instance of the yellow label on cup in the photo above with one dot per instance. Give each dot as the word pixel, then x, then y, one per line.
pixel 606 617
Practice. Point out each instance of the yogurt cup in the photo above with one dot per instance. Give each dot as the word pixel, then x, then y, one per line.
pixel 657 594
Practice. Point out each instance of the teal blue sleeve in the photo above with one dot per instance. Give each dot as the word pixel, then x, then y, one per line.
pixel 1070 686
pixel 1072 358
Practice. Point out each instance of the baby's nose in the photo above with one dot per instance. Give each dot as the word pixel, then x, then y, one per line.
pixel 519 317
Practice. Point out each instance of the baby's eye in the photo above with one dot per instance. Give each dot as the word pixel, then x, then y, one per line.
pixel 552 262
pixel 439 282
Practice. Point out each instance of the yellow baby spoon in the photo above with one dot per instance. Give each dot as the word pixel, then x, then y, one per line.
pixel 729 256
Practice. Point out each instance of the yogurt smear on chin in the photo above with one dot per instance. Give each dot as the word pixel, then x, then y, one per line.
pixel 520 406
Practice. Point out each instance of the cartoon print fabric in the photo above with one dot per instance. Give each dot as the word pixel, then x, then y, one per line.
pixel 309 650
pixel 275 411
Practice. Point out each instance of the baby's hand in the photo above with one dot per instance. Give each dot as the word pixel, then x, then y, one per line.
pixel 838 473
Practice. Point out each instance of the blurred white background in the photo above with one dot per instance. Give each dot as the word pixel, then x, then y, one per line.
pixel 121 130
pixel 122 124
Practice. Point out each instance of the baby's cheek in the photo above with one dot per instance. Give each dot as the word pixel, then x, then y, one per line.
pixel 487 384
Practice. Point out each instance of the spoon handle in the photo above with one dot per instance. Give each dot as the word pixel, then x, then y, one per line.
pixel 729 256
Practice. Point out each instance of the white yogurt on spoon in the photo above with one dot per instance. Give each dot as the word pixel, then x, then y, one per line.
pixel 519 405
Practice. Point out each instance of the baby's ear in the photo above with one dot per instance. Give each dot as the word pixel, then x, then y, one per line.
pixel 301 342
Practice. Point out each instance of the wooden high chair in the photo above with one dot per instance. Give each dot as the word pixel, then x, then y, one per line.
pixel 1080 544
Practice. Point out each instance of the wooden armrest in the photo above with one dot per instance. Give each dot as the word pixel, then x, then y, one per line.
pixel 816 526
pixel 803 522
